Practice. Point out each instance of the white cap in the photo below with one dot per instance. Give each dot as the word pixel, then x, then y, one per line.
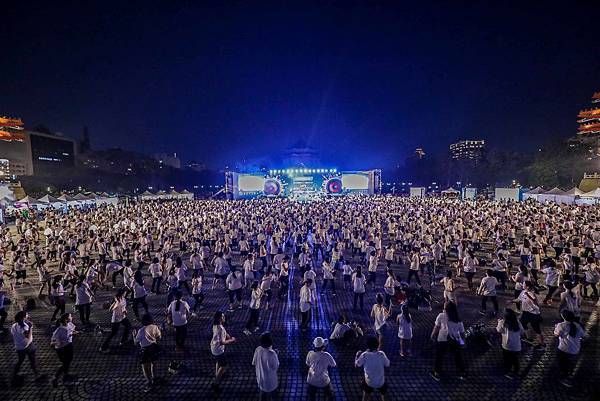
pixel 320 342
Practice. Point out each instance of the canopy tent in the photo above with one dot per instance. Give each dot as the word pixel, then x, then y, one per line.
pixel 147 195
pixel 592 194
pixel 533 194
pixel 556 195
pixel 51 201
pixel 29 200
pixel 185 194
pixel 161 195
pixel 574 191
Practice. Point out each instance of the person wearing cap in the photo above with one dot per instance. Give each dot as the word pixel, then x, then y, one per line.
pixel 319 361
pixel 373 361
pixel 266 363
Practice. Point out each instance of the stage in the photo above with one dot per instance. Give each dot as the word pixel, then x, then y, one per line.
pixel 301 183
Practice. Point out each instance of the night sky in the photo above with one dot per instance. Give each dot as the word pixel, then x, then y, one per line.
pixel 363 83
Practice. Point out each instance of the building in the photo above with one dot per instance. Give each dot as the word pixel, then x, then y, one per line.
pixel 465 150
pixel 588 131
pixel 4 170
pixel 31 152
pixel 168 159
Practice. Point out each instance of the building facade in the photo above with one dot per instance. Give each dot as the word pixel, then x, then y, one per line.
pixel 30 152
pixel 468 150
pixel 588 131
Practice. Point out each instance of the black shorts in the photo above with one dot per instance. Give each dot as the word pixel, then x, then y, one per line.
pixel 347 278
pixel 368 389
pixel 21 274
pixel 534 319
pixel 221 276
pixel 221 360
pixel 149 354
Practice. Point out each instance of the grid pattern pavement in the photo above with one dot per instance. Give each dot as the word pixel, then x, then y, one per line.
pixel 118 375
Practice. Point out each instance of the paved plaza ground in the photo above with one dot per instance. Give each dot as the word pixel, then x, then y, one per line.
pixel 117 375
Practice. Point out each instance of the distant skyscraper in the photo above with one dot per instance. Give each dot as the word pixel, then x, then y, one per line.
pixel 589 125
pixel 468 150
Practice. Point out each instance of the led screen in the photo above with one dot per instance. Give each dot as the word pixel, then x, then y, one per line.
pixel 355 181
pixel 251 183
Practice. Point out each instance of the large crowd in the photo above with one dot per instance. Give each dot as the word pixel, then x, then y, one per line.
pixel 186 252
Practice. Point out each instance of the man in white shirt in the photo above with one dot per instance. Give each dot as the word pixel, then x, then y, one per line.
pixel 319 362
pixel 487 289
pixel 373 361
pixel 266 363
pixel 307 300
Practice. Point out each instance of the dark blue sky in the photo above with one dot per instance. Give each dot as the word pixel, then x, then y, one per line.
pixel 364 83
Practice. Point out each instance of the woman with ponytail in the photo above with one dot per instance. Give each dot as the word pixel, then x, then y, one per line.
pixel 569 333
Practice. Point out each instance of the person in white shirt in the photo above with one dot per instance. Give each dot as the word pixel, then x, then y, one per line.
pixel 531 313
pixel 119 317
pixel 22 334
pixel 405 330
pixel 358 286
pixel 234 283
pixel 62 340
pixel 487 290
pixel 197 292
pixel 551 281
pixel 346 273
pixel 511 330
pixel 147 337
pixel 413 269
pixel 343 331
pixel 380 314
pixel 139 293
pixel 373 361
pixel 83 299
pixel 308 299
pixel 390 287
pixel 156 271
pixel 319 361
pixel 177 313
pixel 470 264
pixel 266 364
pixel 569 333
pixel 449 288
pixel 448 333
pixel 328 277
pixel 220 339
pixel 256 295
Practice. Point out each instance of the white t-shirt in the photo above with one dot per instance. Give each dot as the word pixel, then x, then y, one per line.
pixel 147 335
pixel 405 331
pixel 266 362
pixel 448 328
pixel 63 335
pixel 511 340
pixel 216 343
pixel 374 364
pixel 566 342
pixel 119 312
pixel 318 363
pixel 379 313
pixel 179 316
pixel 488 286
pixel 358 283
pixel 18 333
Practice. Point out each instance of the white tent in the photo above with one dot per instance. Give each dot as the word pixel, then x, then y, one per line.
pixel 162 195
pixel 185 194
pixel 575 191
pixel 533 194
pixel 173 194
pixel 595 194
pixel 146 195
pixel 51 201
pixel 556 195
pixel 70 200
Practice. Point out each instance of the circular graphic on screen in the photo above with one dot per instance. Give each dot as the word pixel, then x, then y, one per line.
pixel 333 186
pixel 272 187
